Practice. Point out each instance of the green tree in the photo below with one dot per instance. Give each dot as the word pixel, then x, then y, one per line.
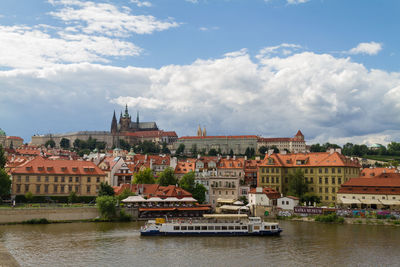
pixel 187 181
pixel 3 159
pixel 124 145
pixel 263 150
pixel 106 190
pixel 50 143
pixel 91 143
pixel 212 152
pixel 199 193
pixel 297 184
pixel 315 148
pixel 193 150
pixel 65 143
pixel 167 177
pixel 106 206
pixel 29 196
pixel 144 177
pixel 244 200
pixel 126 193
pixel 165 149
pixel 180 150
pixel 5 184
pixel 348 149
pixel 231 153
pixel 72 198
pixel 310 198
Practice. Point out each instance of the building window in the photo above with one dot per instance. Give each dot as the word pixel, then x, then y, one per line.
pixel 320 189
pixel 326 189
pixel 76 189
pixel 272 170
pixel 326 170
pixel 88 189
pixel 326 180
pixel 311 180
pixel 333 180
pixel 277 179
pixel 62 179
pixel 70 179
pixel 38 188
pixel 306 171
pixel 27 179
pixel 88 179
pixel 70 188
pixel 267 170
pixel 326 198
pixel 267 179
pixel 320 170
pixel 18 188
pixel 272 180
pixel 55 188
pixel 56 179
pixel 62 188
pixel 46 188
pixel 262 179
pixel 26 188
pixel 76 179
pixel 46 179
pixel 339 170
pixel 339 180
pixel 311 171
pixel 219 192
pixel 19 178
pixel 333 198
pixel 38 178
pixel 333 190
pixel 226 192
pixel 263 170
pixel 98 180
pixel 320 180
pixel 233 192
pixel 333 170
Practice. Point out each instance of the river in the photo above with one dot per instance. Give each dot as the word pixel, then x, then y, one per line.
pixel 119 244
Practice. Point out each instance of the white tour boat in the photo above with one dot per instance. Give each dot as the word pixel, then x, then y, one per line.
pixel 212 225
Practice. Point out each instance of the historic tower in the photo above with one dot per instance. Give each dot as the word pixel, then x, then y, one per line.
pixel 125 121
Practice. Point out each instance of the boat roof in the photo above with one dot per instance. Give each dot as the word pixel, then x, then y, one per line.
pixel 224 216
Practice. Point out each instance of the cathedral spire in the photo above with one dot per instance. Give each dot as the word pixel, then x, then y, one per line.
pixel 114 123
pixel 126 115
pixel 137 118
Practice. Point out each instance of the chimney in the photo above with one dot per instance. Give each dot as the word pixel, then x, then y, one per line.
pixel 331 151
pixel 145 157
pixel 198 156
pixel 283 152
pixel 228 157
pixel 234 157
pixel 245 157
pixel 338 150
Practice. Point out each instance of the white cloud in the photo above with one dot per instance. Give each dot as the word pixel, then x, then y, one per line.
pixel 296 2
pixel 214 28
pixel 107 19
pixel 329 98
pixel 283 49
pixel 193 1
pixel 93 32
pixel 371 48
pixel 141 3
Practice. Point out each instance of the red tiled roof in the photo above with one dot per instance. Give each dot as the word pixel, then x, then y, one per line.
pixel 183 167
pixel 271 193
pixel 310 160
pixel 157 159
pixel 371 172
pixel 385 183
pixel 299 133
pixel 225 163
pixel 15 138
pixel 150 134
pixel 154 190
pixel 40 165
pixel 221 137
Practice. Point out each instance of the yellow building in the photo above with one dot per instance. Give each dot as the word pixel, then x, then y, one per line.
pixel 324 172
pixel 57 177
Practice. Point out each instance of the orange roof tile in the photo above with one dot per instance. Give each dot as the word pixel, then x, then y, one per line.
pixel 221 137
pixel 371 172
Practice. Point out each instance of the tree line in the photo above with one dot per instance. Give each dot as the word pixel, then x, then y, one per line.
pixel 350 149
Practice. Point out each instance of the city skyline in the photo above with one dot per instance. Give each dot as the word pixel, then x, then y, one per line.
pixel 329 68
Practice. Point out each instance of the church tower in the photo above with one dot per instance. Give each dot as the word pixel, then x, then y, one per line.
pixel 125 120
pixel 204 132
pixel 199 131
pixel 114 126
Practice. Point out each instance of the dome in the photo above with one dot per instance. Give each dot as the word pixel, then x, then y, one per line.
pixel 132 153
pixel 2 133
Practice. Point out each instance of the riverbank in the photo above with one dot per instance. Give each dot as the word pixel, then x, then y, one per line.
pixel 6 259
pixel 367 221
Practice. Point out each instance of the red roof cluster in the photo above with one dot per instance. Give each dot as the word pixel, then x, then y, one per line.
pixel 271 193
pixel 385 183
pixel 153 190
pixel 151 134
pixel 40 165
pixel 221 137
pixel 183 167
pixel 372 172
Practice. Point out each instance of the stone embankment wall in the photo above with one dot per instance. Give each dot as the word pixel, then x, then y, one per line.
pixel 52 214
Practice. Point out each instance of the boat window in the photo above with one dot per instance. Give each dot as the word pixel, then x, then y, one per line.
pixel 267 227
pixel 256 227
pixel 217 227
pixel 176 227
pixel 184 228
pixel 231 227
pixel 237 227
pixel 204 228
pixel 244 227
pixel 273 227
pixel 210 227
pixel 197 227
pixel 224 228
pixel 190 227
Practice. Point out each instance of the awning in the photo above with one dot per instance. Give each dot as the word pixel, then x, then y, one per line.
pixel 133 199
pixel 187 199
pixel 225 200
pixel 389 202
pixel 155 199
pixel 349 201
pixel 234 208
pixel 238 203
pixel 171 199
pixel 370 201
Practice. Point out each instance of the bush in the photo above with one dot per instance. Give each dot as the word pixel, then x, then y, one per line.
pixel 36 221
pixel 106 206
pixel 124 217
pixel 329 218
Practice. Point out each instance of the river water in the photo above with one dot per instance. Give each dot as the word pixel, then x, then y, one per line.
pixel 119 244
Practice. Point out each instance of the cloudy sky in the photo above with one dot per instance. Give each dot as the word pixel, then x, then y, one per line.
pixel 264 67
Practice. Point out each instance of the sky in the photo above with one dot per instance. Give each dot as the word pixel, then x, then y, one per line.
pixel 265 67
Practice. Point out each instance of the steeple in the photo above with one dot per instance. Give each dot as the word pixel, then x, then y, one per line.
pixel 137 118
pixel 204 131
pixel 199 131
pixel 114 124
pixel 126 115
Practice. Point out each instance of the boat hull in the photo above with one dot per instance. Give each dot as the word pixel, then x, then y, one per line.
pixel 225 233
